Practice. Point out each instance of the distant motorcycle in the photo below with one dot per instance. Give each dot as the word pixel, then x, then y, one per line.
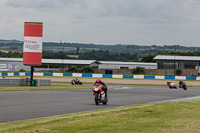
pixel 171 85
pixel 97 90
pixel 76 82
pixel 182 85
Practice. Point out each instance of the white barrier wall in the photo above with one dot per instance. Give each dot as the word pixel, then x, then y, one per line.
pixel 198 78
pixel 180 77
pixel 22 74
pixel 37 74
pixel 117 76
pixel 57 74
pixel 159 77
pixel 97 75
pixel 138 76
pixel 10 74
pixel 77 74
pixel 104 76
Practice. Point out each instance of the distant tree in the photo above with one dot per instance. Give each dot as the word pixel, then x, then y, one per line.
pixel 71 69
pixel 22 70
pixel 13 48
pixel 148 58
pixel 47 54
pixel 77 50
pixel 86 69
pixel 50 71
pixel 178 71
pixel 138 70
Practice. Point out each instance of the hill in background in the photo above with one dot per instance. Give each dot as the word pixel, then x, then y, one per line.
pixel 118 52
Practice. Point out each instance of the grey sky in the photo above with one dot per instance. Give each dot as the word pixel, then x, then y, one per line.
pixel 146 22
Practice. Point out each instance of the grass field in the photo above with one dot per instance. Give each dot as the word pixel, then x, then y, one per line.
pixel 52 87
pixel 5 51
pixel 168 117
pixel 74 56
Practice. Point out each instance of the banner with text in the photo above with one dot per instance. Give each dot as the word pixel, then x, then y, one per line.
pixel 32 48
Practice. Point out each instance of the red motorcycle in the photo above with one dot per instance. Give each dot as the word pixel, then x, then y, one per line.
pixel 100 96
pixel 171 85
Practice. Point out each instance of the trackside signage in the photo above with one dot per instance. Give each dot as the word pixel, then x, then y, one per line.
pixel 32 44
pixel 32 48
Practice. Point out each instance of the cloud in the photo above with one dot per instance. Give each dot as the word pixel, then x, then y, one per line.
pixel 106 21
pixel 31 4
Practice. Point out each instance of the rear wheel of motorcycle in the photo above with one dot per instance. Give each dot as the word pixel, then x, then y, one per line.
pixel 96 98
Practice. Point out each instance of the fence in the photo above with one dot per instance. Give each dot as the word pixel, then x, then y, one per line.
pixel 103 76
pixel 25 82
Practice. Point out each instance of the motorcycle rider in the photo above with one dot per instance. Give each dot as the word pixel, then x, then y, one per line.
pixel 170 84
pixel 76 79
pixel 181 83
pixel 99 81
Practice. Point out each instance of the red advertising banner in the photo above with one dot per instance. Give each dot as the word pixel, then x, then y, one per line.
pixel 32 48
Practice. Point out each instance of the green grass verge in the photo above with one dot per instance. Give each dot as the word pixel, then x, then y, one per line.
pixel 168 117
pixel 52 87
pixel 75 56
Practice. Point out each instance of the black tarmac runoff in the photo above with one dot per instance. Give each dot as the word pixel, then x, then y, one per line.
pixel 21 105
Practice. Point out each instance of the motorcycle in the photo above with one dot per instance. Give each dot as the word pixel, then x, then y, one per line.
pixel 77 82
pixel 182 85
pixel 97 91
pixel 171 85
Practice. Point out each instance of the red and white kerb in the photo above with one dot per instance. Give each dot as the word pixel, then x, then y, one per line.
pixel 32 48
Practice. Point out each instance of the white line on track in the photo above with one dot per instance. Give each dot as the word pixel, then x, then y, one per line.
pixel 179 99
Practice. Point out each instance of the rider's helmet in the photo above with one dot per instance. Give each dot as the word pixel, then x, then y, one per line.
pixel 98 80
pixel 167 82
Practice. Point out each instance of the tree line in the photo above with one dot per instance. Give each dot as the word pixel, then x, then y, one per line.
pixel 132 49
pixel 101 55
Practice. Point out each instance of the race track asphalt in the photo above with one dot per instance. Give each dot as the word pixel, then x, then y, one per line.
pixel 21 105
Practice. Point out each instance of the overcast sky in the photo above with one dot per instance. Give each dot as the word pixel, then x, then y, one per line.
pixel 145 22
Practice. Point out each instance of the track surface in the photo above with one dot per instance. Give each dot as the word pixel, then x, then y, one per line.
pixel 20 105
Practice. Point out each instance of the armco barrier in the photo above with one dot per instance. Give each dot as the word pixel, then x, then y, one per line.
pixel 4 74
pixel 103 76
pixel 9 82
pixel 107 75
pixel 149 77
pixel 127 76
pixel 190 78
pixel 86 75
pixel 24 82
pixel 169 77
pixel 67 74
pixel 180 77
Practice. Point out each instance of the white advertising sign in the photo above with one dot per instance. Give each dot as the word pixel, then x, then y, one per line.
pixel 32 44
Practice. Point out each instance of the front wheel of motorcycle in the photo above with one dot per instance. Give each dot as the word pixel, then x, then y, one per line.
pixel 96 98
pixel 106 100
pixel 185 88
